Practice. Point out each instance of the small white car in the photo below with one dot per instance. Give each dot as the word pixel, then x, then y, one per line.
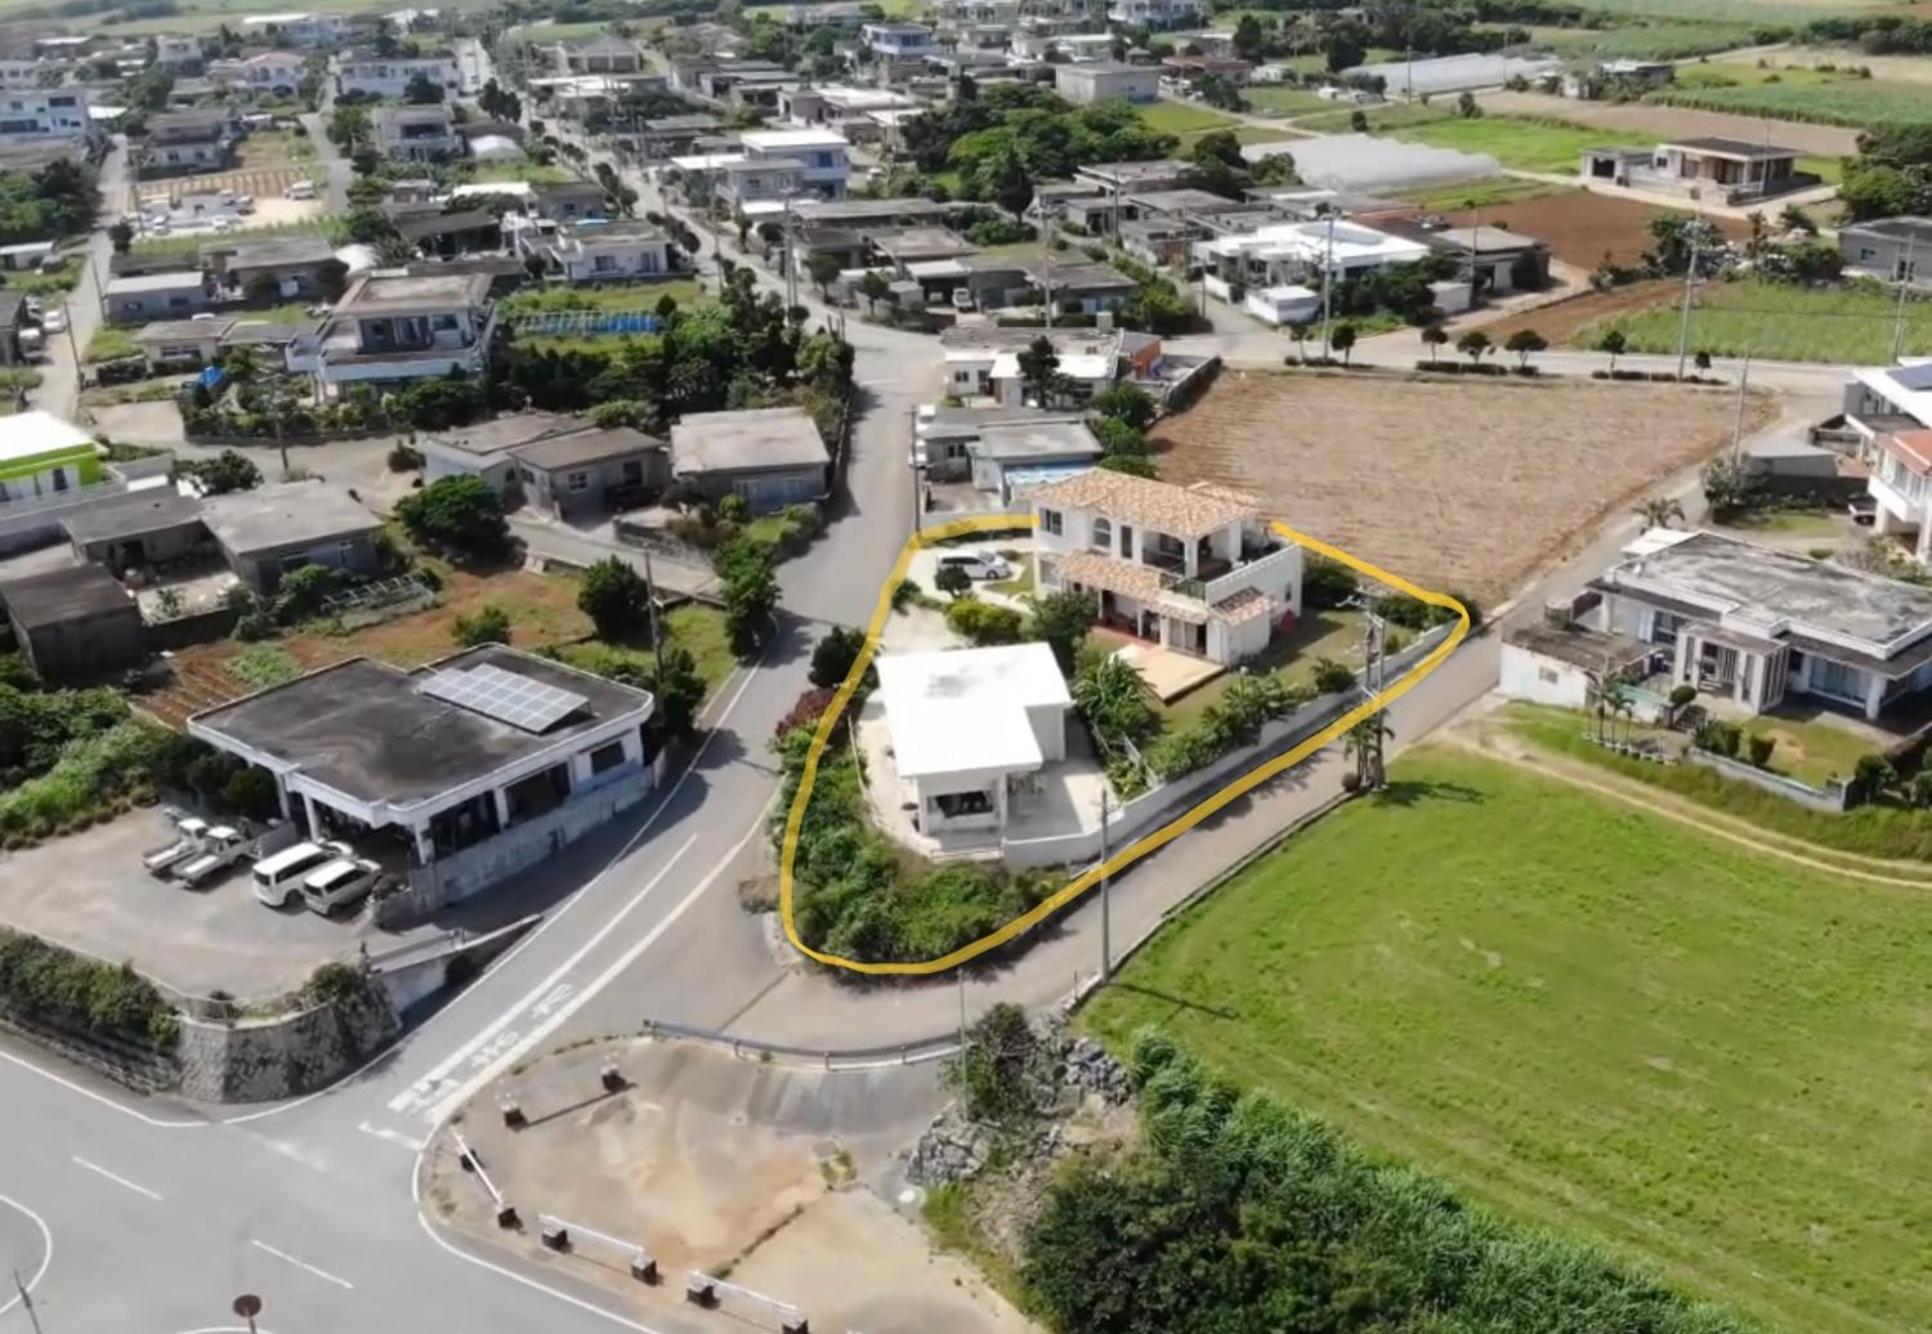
pixel 279 878
pixel 342 881
pixel 224 846
pixel 978 565
pixel 300 190
pixel 53 321
pixel 224 224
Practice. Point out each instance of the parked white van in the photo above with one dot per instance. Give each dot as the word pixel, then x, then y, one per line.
pixel 342 881
pixel 279 878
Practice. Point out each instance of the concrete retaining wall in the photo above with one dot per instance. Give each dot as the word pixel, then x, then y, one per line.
pixel 283 1058
pixel 1831 798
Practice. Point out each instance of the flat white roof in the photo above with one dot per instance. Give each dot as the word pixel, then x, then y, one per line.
pixel 964 710
pixel 707 161
pixel 27 435
pixel 1309 241
pixel 782 140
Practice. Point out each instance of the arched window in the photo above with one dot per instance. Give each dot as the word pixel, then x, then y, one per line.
pixel 1103 535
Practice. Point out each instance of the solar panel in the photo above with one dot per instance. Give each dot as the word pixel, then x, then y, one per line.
pixel 531 706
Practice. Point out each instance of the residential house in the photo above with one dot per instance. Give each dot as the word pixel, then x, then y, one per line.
pixel 970 730
pixel 74 624
pixel 137 531
pixel 366 72
pixel 488 449
pixel 1288 254
pixel 1723 171
pixel 41 455
pixel 849 112
pixel 186 142
pixel 285 268
pixel 1154 13
pixel 47 117
pixel 1081 289
pixel 604 53
pixel 773 457
pixel 1106 81
pixel 1599 78
pixel 390 327
pixel 1195 569
pixel 983 362
pixel 1011 458
pixel 1889 249
pixel 176 345
pixel 1888 408
pixel 674 136
pixel 944 437
pixel 611 251
pixel 588 472
pixel 571 201
pixel 823 157
pixel 416 133
pixel 178 53
pixel 266 73
pixel 1754 625
pixel 304 30
pixel 1501 261
pixel 737 183
pixel 466 231
pixel 898 41
pixel 1127 178
pixel 268 531
pixel 172 294
pixel 1193 70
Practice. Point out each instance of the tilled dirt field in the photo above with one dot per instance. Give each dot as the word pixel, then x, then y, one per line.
pixel 1580 228
pixel 1675 122
pixel 1462 486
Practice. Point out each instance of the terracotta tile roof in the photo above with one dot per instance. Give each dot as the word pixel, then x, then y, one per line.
pixel 1242 606
pixel 1913 449
pixel 1179 511
pixel 1125 577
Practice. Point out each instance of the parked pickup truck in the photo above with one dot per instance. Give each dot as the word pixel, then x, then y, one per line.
pixel 225 846
pixel 190 838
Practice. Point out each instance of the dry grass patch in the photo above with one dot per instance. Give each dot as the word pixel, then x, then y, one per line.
pixel 1458 485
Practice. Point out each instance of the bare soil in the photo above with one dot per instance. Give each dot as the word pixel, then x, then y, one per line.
pixel 1457 485
pixel 1559 321
pixel 1581 228
pixel 1676 122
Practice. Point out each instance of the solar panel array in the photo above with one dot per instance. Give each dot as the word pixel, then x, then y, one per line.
pixel 532 706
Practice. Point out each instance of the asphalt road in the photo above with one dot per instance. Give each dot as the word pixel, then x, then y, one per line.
pixel 159 1213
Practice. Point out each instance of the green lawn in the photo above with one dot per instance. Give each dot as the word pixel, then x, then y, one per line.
pixel 110 342
pixel 1516 142
pixel 1590 1018
pixel 1287 101
pixel 1649 39
pixel 1292 657
pixel 695 626
pixel 1790 92
pixel 600 296
pixel 1021 584
pixel 535 174
pixel 1850 323
pixel 1182 117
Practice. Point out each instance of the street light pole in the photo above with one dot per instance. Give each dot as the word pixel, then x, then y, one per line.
pixel 1106 894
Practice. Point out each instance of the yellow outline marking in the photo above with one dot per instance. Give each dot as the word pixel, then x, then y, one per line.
pixel 1134 851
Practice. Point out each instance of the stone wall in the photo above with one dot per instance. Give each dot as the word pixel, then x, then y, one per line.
pixel 262 1061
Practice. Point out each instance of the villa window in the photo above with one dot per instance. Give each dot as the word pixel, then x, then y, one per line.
pixel 1050 522
pixel 952 805
pixel 1103 535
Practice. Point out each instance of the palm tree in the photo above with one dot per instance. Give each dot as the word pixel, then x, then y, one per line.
pixel 1659 512
pixel 1614 698
pixel 1115 698
pixel 1359 745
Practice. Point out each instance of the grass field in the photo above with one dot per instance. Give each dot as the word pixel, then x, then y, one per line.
pixel 1590 1018
pixel 1827 97
pixel 1183 117
pixel 1286 101
pixel 1851 324
pixel 1516 143
pixel 532 172
pixel 1657 39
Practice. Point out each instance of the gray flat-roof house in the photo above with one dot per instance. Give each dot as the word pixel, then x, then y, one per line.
pixel 1755 624
pixel 455 775
pixel 416 133
pixel 1008 458
pixel 172 295
pixel 773 457
pixel 1888 249
pixel 138 530
pixel 75 624
pixel 180 344
pixel 282 267
pixel 587 472
pixel 1105 81
pixel 265 533
pixel 1723 171
pixel 487 449
pixel 571 201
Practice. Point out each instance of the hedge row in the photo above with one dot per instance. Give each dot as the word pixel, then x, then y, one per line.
pixel 47 984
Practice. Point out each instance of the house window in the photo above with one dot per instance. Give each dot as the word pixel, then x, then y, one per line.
pixel 1103 534
pixel 577 481
pixel 60 479
pixel 606 757
pixel 1050 522
pixel 1838 681
pixel 444 323
pixel 603 264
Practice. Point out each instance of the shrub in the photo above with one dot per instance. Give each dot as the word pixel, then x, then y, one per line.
pixel 302 591
pixel 983 623
pixel 953 581
pixel 1920 793
pixel 460 514
pixel 489 625
pixel 1718 737
pixel 1127 403
pixel 1060 620
pixel 251 793
pixel 404 457
pixel 806 710
pixel 995 1072
pixel 225 473
pixel 1758 748
pixel 833 656
pixel 1332 677
pixel 616 598
pixel 1327 583
pixel 45 983
pixel 1871 776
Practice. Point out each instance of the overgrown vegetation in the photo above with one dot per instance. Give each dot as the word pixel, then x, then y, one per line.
pixel 43 983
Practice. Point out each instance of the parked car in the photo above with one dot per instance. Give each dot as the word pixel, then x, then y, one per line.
pixel 300 190
pixel 190 837
pixel 225 846
pixel 978 565
pixel 53 321
pixel 342 881
pixel 279 878
pixel 962 298
pixel 223 224
pixel 244 203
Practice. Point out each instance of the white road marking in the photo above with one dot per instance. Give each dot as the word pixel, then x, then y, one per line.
pixel 117 1180
pixel 101 1098
pixel 46 1247
pixel 498 1036
pixel 322 1274
pixel 392 1136
pixel 512 1052
pixel 531 1283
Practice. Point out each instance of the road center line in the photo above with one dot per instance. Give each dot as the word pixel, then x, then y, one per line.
pixel 117 1180
pixel 322 1274
pixel 391 1136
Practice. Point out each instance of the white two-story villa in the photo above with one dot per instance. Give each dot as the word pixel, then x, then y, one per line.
pixel 391 328
pixel 1194 568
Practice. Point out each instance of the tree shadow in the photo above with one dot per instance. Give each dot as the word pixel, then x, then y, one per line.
pixel 1412 792
pixel 1179 1004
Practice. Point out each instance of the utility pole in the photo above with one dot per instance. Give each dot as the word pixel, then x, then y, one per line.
pixel 1737 429
pixel 1898 316
pixel 791 260
pixel 1374 677
pixel 650 603
pixel 1690 283
pixel 1328 286
pixel 1106 894
pixel 912 468
pixel 26 1302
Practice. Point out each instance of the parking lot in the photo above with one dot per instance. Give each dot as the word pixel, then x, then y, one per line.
pixel 89 892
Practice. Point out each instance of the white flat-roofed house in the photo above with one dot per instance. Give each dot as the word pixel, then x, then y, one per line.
pixel 738 181
pixel 1106 81
pixel 296 29
pixel 983 362
pixel 899 41
pixel 274 73
pixel 46 116
pixel 371 74
pixel 1753 624
pixel 1889 409
pixel 590 252
pixel 823 157
pixel 1154 13
pixel 391 327
pixel 969 727
pixel 603 53
pixel 1194 568
pixel 1289 254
